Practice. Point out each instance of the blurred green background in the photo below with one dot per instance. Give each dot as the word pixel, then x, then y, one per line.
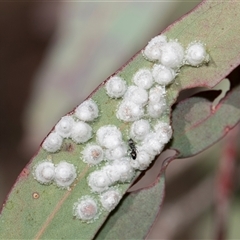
pixel 53 55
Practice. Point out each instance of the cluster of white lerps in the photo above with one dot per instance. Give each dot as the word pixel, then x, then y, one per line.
pixel 146 98
pixel 87 208
pixel 141 102
pixel 63 174
pixel 171 54
pixel 75 128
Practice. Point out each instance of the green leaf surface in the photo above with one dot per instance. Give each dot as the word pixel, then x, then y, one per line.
pixel 135 214
pixel 34 211
pixel 197 125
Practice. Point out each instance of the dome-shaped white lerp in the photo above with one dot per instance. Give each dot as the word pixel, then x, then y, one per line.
pixel 110 199
pixel 137 95
pixel 155 110
pixel 172 55
pixel 65 174
pixel 123 169
pixel 129 111
pixel 86 209
pixel 111 172
pixel 196 54
pixel 139 129
pixel 99 181
pixel 143 78
pixel 143 160
pixel 64 126
pixel 81 132
pixel 92 154
pixel 153 50
pixel 152 144
pixel 116 87
pixel 109 136
pixel 164 131
pixel 116 153
pixel 163 75
pixel 87 111
pixel 157 94
pixel 44 172
pixel 52 142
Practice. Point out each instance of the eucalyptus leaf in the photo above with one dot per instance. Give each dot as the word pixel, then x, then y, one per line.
pixel 34 211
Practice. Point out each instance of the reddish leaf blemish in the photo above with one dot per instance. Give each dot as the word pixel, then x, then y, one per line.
pixel 24 173
pixel 227 129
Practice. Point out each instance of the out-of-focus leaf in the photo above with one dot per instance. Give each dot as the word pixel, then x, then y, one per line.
pixel 135 214
pixel 197 125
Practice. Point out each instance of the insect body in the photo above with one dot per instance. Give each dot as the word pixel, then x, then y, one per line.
pixel 133 151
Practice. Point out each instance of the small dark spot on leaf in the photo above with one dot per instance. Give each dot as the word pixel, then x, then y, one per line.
pixel 35 195
pixel 69 147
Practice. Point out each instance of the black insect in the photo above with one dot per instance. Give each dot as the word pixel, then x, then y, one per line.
pixel 133 150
